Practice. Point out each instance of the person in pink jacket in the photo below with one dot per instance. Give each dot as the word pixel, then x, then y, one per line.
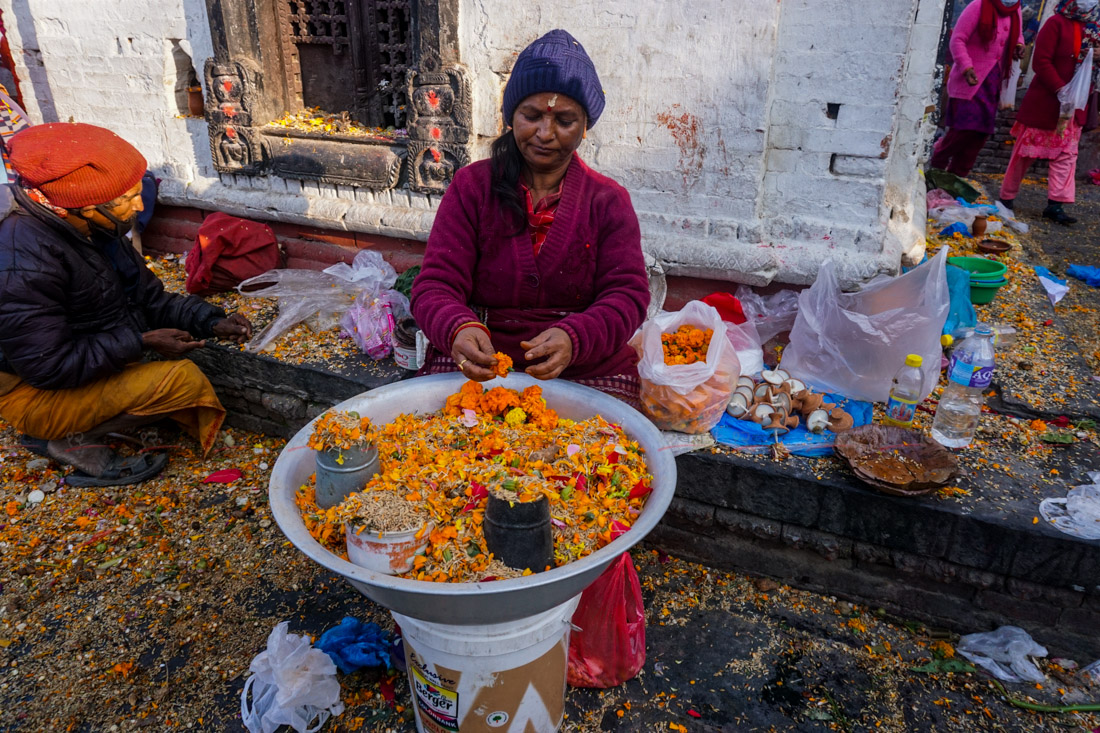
pixel 986 39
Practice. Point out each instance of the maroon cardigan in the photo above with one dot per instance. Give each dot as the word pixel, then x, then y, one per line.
pixel 589 278
pixel 1054 61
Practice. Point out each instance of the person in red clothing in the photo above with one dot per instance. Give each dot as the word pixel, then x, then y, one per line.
pixel 1040 130
pixel 533 253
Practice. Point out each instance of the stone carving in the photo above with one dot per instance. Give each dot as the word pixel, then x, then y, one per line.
pixel 432 166
pixel 440 110
pixel 439 127
pixel 231 91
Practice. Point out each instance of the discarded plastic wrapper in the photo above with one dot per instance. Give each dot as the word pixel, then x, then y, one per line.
pixel 291 684
pixel 1056 287
pixel 1078 513
pixel 1093 672
pixel 1010 220
pixel 1005 653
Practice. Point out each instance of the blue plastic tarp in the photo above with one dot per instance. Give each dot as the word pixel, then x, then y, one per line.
pixel 800 441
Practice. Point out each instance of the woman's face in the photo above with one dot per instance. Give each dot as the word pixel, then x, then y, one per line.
pixel 548 127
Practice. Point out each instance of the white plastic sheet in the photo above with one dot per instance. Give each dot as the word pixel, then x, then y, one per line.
pixel 1005 653
pixel 1078 513
pixel 291 684
pixel 853 343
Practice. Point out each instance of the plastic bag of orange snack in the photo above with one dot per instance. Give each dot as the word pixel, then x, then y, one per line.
pixel 688 368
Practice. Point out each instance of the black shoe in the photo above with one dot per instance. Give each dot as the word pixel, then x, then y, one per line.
pixel 1009 204
pixel 1057 214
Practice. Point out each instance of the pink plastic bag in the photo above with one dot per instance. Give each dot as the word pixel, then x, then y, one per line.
pixel 609 648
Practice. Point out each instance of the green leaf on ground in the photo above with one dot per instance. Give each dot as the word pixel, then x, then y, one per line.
pixel 944 666
pixel 1058 438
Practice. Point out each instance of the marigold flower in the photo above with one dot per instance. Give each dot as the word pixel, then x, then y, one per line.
pixel 503 365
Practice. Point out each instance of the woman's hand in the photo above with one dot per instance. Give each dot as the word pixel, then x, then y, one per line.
pixel 236 328
pixel 553 345
pixel 1018 53
pixel 170 342
pixel 473 352
pixel 971 77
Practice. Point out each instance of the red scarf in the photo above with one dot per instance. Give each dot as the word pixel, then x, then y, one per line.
pixel 987 28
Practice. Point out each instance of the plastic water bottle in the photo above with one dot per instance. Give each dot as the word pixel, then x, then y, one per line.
pixel 906 393
pixel 969 374
pixel 1003 334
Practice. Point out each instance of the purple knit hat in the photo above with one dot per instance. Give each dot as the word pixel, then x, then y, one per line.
pixel 557 62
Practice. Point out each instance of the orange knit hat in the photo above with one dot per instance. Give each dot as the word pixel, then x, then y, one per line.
pixel 75 164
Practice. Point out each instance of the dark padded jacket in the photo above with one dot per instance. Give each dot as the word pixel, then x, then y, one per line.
pixel 69 314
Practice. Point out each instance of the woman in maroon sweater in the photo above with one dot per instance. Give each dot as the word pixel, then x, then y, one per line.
pixel 533 253
pixel 1040 131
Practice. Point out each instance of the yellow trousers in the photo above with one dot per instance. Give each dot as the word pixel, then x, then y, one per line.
pixel 175 389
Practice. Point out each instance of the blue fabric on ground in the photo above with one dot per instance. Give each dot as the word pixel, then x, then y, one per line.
pixel 800 441
pixel 353 645
pixel 961 314
pixel 956 228
pixel 1091 275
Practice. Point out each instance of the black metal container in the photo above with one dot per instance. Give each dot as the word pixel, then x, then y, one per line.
pixel 518 534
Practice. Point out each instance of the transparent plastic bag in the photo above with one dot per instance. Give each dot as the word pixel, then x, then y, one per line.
pixel 853 343
pixel 291 684
pixel 1075 95
pixel 746 342
pixel 1005 653
pixel 1078 513
pixel 770 315
pixel 1010 85
pixel 318 298
pixel 689 398
pixel 371 321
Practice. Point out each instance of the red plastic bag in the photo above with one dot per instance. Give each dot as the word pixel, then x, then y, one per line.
pixel 229 250
pixel 609 648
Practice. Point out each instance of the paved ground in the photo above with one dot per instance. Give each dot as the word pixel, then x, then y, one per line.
pixel 141 610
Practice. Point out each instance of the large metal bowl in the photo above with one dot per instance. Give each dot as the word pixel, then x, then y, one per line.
pixel 474 603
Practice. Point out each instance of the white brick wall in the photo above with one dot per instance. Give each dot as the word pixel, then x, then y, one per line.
pixel 716 118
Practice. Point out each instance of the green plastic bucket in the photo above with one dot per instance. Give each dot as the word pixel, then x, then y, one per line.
pixel 983 293
pixel 980 269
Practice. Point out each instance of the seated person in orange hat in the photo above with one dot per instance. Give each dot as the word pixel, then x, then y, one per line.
pixel 78 307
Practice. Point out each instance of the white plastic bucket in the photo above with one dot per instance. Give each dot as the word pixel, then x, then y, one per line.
pixel 389 553
pixel 497 678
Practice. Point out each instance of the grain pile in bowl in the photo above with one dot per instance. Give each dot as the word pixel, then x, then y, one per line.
pixel 444 465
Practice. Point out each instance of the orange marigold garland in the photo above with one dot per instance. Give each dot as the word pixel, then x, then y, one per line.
pixel 687 345
pixel 594 476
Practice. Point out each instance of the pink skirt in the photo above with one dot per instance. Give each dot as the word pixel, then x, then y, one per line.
pixel 1032 142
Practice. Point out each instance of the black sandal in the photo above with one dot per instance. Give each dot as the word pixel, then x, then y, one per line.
pixel 34 445
pixel 121 471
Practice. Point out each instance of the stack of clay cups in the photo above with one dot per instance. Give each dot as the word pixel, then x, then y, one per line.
pixel 780 402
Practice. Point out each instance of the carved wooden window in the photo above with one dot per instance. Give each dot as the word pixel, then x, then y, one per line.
pixel 363 63
pixel 347 55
